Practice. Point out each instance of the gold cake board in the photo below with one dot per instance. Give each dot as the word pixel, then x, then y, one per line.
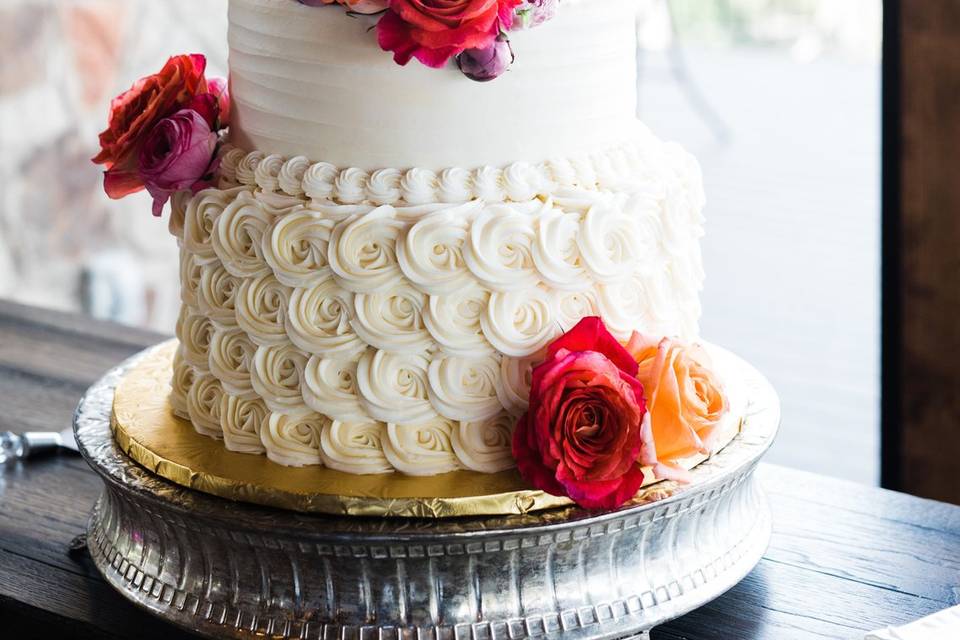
pixel 146 429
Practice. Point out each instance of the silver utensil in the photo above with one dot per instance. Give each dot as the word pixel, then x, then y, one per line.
pixel 20 446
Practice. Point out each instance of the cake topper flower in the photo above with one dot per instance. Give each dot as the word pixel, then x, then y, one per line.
pixel 162 132
pixel 434 32
pixel 582 434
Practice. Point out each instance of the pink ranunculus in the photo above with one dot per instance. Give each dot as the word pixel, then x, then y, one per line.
pixel 179 153
pixel 581 435
pixel 433 31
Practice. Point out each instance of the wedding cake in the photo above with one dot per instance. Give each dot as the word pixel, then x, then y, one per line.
pixel 379 254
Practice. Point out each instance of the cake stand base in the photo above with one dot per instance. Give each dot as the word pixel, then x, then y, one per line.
pixel 236 570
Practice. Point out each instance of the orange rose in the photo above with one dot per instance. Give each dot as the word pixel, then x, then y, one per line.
pixel 134 113
pixel 685 400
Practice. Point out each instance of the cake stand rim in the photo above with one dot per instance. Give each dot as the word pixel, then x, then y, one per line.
pixel 101 452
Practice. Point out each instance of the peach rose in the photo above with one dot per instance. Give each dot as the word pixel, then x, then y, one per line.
pixel 685 401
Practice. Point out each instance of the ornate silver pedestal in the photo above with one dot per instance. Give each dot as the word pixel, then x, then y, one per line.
pixel 228 569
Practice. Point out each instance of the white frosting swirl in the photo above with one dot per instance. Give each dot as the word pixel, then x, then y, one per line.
pixel 293 440
pixel 430 253
pixel 180 383
pixel 499 250
pixel 556 252
pixel 573 306
pixel 418 186
pixel 519 323
pixel 267 172
pixel 318 321
pixel 637 303
pixel 350 185
pixel 516 378
pixel 522 182
pixel 318 181
pixel 465 388
pixel 383 187
pixel 488 184
pixel 200 221
pixel 242 419
pixel 392 320
pixel 291 175
pixel 455 185
pixel 423 449
pixel 230 160
pixel 230 360
pixel 330 387
pixel 238 236
pixel 190 274
pixel 354 447
pixel 485 445
pixel 179 202
pixel 394 387
pixel 203 405
pixel 195 332
pixel 362 251
pixel 247 167
pixel 218 290
pixel 261 305
pixel 276 377
pixel 295 247
pixel 454 320
pixel 609 240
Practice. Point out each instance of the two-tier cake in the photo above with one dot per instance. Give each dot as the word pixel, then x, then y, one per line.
pixel 377 260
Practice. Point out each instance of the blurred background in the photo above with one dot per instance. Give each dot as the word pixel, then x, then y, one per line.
pixel 779 99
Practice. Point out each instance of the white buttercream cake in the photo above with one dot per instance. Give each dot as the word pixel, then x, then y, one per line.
pixel 389 249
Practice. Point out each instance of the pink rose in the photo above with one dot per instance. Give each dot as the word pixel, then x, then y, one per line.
pixel 581 436
pixel 134 113
pixel 433 31
pixel 180 152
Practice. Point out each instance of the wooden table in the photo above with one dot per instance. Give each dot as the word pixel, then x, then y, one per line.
pixel 844 559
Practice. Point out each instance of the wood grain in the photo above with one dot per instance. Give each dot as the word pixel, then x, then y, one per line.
pixel 922 441
pixel 844 558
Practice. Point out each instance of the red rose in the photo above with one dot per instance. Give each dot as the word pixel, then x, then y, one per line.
pixel 134 113
pixel 433 31
pixel 581 436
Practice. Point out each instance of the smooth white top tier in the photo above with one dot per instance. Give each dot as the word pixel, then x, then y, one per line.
pixel 312 81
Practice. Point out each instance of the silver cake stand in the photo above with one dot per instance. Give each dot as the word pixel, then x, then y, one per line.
pixel 233 570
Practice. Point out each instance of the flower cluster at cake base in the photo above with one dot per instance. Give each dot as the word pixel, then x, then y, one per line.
pixel 600 411
pixel 474 33
pixel 162 132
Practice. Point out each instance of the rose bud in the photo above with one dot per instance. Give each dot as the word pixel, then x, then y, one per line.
pixel 486 64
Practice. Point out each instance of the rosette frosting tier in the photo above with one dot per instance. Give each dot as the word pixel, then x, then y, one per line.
pixel 385 254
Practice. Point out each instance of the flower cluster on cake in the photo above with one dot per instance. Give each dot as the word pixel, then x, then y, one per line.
pixel 392 269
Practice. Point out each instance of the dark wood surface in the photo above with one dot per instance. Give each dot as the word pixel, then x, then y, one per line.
pixel 921 256
pixel 844 559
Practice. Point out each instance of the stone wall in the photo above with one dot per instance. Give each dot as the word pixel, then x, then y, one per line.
pixel 63 243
